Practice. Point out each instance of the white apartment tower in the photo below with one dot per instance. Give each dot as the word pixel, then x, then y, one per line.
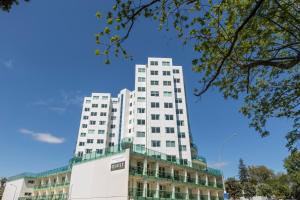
pixel 153 116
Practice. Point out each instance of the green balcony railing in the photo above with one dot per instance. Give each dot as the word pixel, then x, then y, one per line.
pixel 201 182
pixel 193 197
pixel 165 194
pixel 220 185
pixel 53 185
pixel 180 195
pixel 211 184
pixel 213 198
pixel 203 197
pixel 135 192
pixel 165 175
pixel 46 197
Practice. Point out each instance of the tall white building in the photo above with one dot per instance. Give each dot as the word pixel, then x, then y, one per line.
pixel 136 146
pixel 153 115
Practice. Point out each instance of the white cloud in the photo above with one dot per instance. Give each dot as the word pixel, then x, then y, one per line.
pixel 42 137
pixel 8 64
pixel 219 165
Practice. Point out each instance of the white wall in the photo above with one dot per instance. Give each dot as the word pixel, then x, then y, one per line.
pixel 17 187
pixel 95 180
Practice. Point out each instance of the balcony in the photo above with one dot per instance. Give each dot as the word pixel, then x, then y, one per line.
pixel 203 197
pixel 46 197
pixel 165 194
pixel 53 185
pixel 179 195
pixel 165 175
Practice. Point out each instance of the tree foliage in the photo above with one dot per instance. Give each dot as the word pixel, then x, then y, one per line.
pixel 6 5
pixel 248 49
pixel 233 188
pixel 292 165
pixel 243 172
pixel 249 190
pixel 264 190
pixel 260 174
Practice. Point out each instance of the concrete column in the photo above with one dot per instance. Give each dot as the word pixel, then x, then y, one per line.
pixel 156 169
pixel 172 171
pixel 185 175
pixel 206 180
pixel 157 190
pixel 186 193
pixel 196 178
pixel 217 196
pixel 145 189
pixel 173 192
pixel 208 195
pixel 198 194
pixel 215 182
pixel 145 167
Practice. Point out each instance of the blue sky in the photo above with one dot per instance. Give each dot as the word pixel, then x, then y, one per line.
pixel 47 66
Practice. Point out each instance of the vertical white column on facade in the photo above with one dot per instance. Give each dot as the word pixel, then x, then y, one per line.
pixel 185 175
pixel 196 178
pixel 156 169
pixel 173 192
pixel 215 182
pixel 186 193
pixel 172 171
pixel 157 190
pixel 206 180
pixel 145 189
pixel 198 194
pixel 208 195
pixel 145 167
pixel 217 196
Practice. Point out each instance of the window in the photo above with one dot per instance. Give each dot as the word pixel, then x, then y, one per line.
pixel 114 110
pixel 112 126
pixel 154 104
pixel 153 82
pixel 154 93
pixel 177 80
pixel 101 131
pixel 167 83
pixel 168 105
pixel 102 113
pixel 84 125
pixel 170 143
pixel 92 122
pixel 103 105
pixel 141 122
pixel 85 117
pixel 169 117
pixel 165 63
pixel 141 70
pixel 95 97
pixel 82 134
pixel 171 158
pixel 81 144
pixel 86 109
pixel 102 122
pixel 140 147
pixel 179 111
pixel 176 71
pixel 181 135
pixel 155 129
pixel 141 79
pixel 88 151
pixel 154 117
pixel 170 130
pixel 100 141
pixel 154 63
pixel 182 148
pixel 111 144
pixel 178 100
pixel 155 143
pixel 178 90
pixel 180 123
pixel 141 110
pixel 99 151
pixel 104 97
pixel 91 131
pixel 28 193
pixel 141 99
pixel 153 72
pixel 141 89
pixel 30 182
pixel 113 117
pixel 94 105
pixel 80 154
pixel 88 101
pixel 111 135
pixel 93 113
pixel 166 73
pixel 89 141
pixel 140 134
pixel 167 93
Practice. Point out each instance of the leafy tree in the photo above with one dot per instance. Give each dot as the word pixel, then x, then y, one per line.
pixel 292 165
pixel 280 186
pixel 264 189
pixel 243 172
pixel 260 174
pixel 249 190
pixel 247 49
pixel 233 188
pixel 6 5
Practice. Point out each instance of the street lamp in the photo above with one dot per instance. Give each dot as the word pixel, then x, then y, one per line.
pixel 15 190
pixel 221 155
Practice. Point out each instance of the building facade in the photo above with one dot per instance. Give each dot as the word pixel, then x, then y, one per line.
pixel 137 145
